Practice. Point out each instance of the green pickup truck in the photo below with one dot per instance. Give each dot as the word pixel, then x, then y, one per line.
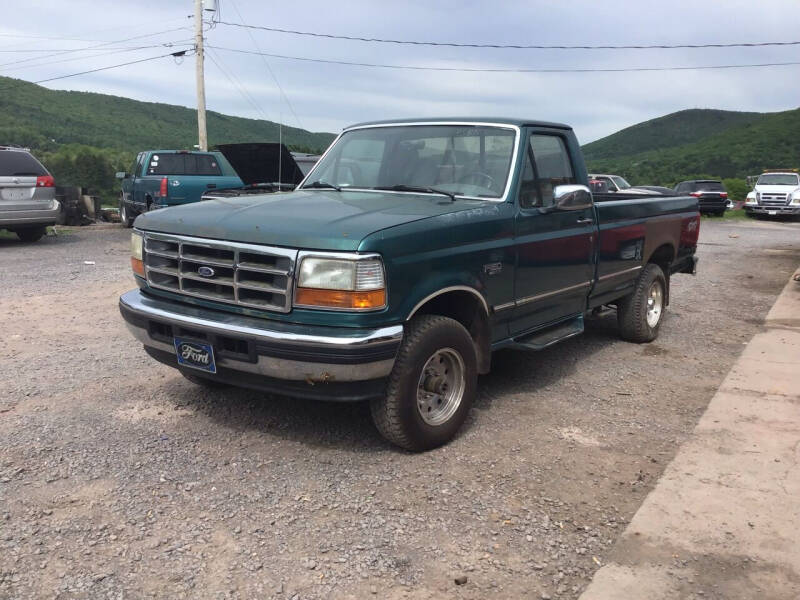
pixel 161 178
pixel 408 254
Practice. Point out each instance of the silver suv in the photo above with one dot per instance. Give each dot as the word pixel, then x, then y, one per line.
pixel 27 194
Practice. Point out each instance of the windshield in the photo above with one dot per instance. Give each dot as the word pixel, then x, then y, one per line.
pixel 777 179
pixel 465 160
pixel 621 183
pixel 709 186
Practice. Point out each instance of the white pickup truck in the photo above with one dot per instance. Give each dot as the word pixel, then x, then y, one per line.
pixel 775 193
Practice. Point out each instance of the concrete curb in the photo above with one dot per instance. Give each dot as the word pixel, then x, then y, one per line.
pixel 724 519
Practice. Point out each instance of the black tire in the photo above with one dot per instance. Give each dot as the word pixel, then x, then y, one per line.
pixel 398 416
pixel 206 383
pixel 31 234
pixel 632 311
pixel 125 216
pixel 720 213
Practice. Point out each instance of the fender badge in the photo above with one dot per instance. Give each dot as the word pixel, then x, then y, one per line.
pixel 205 271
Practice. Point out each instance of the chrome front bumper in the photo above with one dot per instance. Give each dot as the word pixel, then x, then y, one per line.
pixel 786 209
pixel 311 354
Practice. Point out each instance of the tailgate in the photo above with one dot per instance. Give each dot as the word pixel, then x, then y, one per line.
pixel 21 193
pixel 183 189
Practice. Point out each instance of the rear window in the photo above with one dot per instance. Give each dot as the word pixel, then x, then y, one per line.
pixel 183 164
pixel 14 163
pixel 709 186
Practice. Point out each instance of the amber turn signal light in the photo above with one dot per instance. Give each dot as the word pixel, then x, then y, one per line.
pixel 137 266
pixel 340 298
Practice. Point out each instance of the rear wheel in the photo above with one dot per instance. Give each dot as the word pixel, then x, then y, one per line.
pixel 639 314
pixel 31 234
pixel 432 385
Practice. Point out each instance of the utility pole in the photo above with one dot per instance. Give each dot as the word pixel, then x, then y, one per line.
pixel 202 135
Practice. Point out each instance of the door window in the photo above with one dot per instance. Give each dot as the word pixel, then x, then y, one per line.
pixel 547 165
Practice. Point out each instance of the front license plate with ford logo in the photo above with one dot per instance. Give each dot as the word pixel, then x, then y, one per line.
pixel 196 355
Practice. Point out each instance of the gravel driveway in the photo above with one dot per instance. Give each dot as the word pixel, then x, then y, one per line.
pixel 120 479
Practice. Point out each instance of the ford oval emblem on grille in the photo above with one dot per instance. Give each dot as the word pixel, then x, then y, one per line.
pixel 206 271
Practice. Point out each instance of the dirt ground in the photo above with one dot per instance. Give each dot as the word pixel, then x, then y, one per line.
pixel 120 479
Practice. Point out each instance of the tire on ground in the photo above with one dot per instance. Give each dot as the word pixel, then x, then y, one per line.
pixel 632 310
pixel 125 215
pixel 397 415
pixel 31 234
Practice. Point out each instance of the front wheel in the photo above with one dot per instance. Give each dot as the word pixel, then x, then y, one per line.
pixel 431 387
pixel 124 215
pixel 639 314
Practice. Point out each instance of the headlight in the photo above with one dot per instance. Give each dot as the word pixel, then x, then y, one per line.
pixel 751 198
pixel 137 253
pixel 796 198
pixel 341 282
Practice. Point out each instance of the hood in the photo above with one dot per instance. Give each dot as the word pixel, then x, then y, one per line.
pixel 776 189
pixel 314 220
pixel 259 163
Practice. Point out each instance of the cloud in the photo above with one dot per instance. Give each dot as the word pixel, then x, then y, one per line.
pixel 328 97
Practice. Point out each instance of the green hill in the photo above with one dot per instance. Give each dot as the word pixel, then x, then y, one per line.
pixel 669 131
pixel 82 137
pixel 699 143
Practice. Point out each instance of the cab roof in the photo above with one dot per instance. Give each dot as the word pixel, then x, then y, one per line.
pixel 489 120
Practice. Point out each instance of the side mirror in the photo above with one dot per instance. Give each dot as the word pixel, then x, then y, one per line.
pixel 572 197
pixel 121 175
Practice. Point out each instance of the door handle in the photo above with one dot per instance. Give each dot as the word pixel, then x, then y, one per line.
pixel 211 186
pixel 585 221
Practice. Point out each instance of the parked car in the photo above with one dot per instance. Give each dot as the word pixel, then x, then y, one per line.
pixel 710 193
pixel 27 194
pixel 598 186
pixel 161 178
pixel 409 253
pixel 617 184
pixel 775 193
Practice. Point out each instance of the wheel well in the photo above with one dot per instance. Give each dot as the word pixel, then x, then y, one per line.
pixel 466 308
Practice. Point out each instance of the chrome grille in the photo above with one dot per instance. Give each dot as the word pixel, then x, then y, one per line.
pixel 243 274
pixel 774 199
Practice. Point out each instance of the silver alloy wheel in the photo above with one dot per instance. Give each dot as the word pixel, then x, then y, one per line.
pixel 655 303
pixel 123 213
pixel 441 386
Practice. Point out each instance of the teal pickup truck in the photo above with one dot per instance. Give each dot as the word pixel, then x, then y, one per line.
pixel 161 178
pixel 408 254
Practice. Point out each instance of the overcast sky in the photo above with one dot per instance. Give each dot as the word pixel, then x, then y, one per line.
pixel 326 97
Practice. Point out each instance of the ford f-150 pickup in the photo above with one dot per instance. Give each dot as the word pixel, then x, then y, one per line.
pixel 409 253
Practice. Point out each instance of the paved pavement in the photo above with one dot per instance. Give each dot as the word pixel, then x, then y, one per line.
pixel 724 519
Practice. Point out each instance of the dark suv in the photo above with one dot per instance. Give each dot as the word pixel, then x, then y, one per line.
pixel 27 194
pixel 710 194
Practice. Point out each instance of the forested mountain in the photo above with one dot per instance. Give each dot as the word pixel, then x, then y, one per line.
pixel 83 138
pixel 699 143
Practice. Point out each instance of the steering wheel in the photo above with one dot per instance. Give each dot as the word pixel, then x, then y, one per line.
pixel 478 175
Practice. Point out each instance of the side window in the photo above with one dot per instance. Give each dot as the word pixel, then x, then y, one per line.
pixel 553 167
pixel 136 169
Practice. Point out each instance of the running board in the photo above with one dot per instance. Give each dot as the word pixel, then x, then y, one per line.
pixel 542 339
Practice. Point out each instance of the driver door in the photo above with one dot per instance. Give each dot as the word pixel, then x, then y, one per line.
pixel 554 246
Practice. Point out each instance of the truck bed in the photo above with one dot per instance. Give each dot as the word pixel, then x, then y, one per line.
pixel 631 230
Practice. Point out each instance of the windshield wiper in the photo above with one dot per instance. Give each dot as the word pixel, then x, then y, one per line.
pixel 416 188
pixel 323 184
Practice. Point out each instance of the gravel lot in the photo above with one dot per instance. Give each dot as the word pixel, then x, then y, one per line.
pixel 119 479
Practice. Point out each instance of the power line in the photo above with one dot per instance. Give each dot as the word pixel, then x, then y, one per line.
pixel 98 54
pixel 111 43
pixel 269 68
pixel 508 46
pixel 235 82
pixel 178 54
pixel 483 70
